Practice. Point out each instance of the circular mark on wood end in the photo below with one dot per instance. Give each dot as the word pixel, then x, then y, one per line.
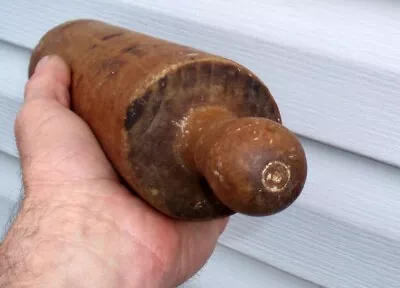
pixel 275 176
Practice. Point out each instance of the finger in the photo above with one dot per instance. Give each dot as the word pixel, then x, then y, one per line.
pixel 198 241
pixel 54 144
pixel 53 74
pixel 179 248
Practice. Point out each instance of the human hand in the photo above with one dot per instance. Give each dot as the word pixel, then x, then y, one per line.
pixel 78 225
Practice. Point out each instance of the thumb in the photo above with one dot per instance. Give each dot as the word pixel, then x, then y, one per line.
pixel 54 144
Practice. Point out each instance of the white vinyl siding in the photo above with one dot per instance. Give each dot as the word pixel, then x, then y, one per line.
pixel 333 68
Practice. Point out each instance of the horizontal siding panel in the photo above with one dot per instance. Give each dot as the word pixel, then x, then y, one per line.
pixel 13 75
pixel 229 269
pixel 318 248
pixel 14 69
pixel 8 109
pixel 332 65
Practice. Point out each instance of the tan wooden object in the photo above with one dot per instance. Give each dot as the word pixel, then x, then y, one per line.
pixel 197 136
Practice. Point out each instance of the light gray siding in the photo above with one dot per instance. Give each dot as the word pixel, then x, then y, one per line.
pixel 333 67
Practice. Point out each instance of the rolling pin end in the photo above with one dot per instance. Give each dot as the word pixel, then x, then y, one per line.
pixel 255 166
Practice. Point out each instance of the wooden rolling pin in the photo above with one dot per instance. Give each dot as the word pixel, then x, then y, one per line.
pixel 197 136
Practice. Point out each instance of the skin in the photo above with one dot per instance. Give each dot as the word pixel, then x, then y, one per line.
pixel 78 226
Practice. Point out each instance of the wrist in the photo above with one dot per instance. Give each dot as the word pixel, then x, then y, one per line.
pixel 28 254
pixel 67 245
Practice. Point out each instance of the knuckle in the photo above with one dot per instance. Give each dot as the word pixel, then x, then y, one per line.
pixel 32 84
pixel 19 121
pixel 34 115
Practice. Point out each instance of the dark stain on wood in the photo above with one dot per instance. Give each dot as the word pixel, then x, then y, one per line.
pixel 108 37
pixel 205 71
pixel 79 80
pixel 136 110
pixel 135 49
pixel 254 88
pixel 189 76
pixel 162 84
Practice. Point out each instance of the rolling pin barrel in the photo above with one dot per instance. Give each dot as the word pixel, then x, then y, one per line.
pixel 197 136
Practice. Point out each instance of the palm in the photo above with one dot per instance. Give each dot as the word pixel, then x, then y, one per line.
pixel 117 225
pixel 180 248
